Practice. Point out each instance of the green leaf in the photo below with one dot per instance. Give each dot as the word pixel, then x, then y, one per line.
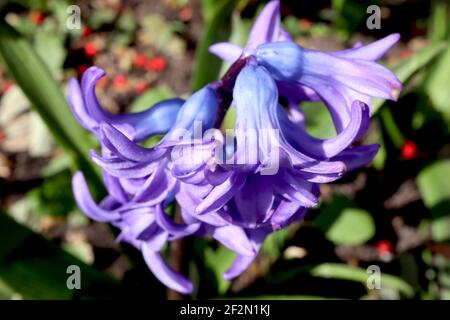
pixel 151 97
pixel 36 268
pixel 319 123
pixel 54 197
pixel 433 183
pixel 345 272
pixel 344 224
pixel 207 67
pixel 406 69
pixel 50 47
pixel 31 74
pixel 436 84
pixel 437 22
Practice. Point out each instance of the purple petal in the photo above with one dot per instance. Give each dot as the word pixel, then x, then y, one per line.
pixel 178 230
pixel 255 199
pixel 157 187
pixel 358 157
pixel 240 264
pixel 221 194
pixel 234 238
pixel 266 27
pixel 123 147
pixel 226 51
pixel 76 103
pixel 164 273
pixel 86 203
pixel 373 51
pixel 359 123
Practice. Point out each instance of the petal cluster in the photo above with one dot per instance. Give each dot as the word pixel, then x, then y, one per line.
pixel 237 187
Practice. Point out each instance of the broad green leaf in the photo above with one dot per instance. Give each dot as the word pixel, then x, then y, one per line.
pixel 344 224
pixel 345 272
pixel 207 66
pixel 318 120
pixel 219 261
pixel 390 126
pixel 437 22
pixel 406 69
pixel 274 243
pixel 433 185
pixel 54 197
pixel 31 74
pixel 438 229
pixel 50 47
pixel 36 268
pixel 433 182
pixel 436 84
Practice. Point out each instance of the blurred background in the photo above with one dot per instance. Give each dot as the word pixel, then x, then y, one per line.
pixel 390 219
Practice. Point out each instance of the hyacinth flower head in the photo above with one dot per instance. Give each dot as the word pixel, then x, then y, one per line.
pixel 237 189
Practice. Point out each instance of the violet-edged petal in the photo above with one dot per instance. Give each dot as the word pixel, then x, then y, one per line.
pixel 240 264
pixel 234 238
pixel 323 71
pixel 158 240
pixel 157 187
pixel 124 169
pixel 255 199
pixel 126 149
pixel 157 119
pixel 76 103
pixel 256 97
pixel 289 62
pixel 226 51
pixel 266 27
pixel 175 229
pixel 88 82
pixel 87 204
pixel 295 190
pixel 164 273
pixel 372 51
pixel 221 194
pixel 285 210
pixel 109 203
pixel 114 188
pixel 189 197
pixel 359 123
pixel 357 157
pixel 199 110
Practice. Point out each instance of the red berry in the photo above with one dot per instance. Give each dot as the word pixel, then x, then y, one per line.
pixel 86 32
pixel 7 85
pixel 405 53
pixel 304 23
pixel 120 81
pixel 140 87
pixel 156 64
pixel 81 69
pixel 90 49
pixel 384 246
pixel 409 150
pixel 2 136
pixel 37 17
pixel 139 60
pixel 186 14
